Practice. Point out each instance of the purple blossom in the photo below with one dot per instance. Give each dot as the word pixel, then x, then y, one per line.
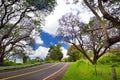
pixel 82 23
pixel 92 18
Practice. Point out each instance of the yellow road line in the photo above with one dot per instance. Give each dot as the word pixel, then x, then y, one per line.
pixel 55 72
pixel 29 72
pixel 23 69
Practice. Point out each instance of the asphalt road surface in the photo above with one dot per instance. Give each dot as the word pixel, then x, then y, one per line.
pixel 41 72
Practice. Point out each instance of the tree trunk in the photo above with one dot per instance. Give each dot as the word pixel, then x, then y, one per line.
pixel 1 53
pixel 15 60
pixel 95 64
pixel 24 59
pixel 95 67
pixel 1 60
pixel 95 58
pixel 114 75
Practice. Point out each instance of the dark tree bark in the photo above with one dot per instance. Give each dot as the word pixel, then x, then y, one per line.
pixel 1 59
pixel 115 21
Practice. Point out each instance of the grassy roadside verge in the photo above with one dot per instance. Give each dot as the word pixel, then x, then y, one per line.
pixel 17 67
pixel 11 66
pixel 81 70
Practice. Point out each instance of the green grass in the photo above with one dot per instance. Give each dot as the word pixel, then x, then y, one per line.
pixel 81 70
pixel 13 69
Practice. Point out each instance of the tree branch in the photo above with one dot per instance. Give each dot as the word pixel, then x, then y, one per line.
pixel 115 21
pixel 13 2
pixel 98 17
pixel 2 2
pixel 18 39
pixel 2 19
pixel 106 47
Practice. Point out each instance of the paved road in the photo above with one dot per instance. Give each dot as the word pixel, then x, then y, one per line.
pixel 35 73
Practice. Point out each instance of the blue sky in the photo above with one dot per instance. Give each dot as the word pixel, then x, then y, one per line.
pixel 47 36
pixel 48 40
pixel 43 43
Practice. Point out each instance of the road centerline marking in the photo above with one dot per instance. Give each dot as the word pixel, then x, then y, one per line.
pixel 27 73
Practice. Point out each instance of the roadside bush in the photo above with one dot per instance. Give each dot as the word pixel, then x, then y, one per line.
pixel 18 63
pixel 82 70
pixel 81 61
pixel 112 59
pixel 9 63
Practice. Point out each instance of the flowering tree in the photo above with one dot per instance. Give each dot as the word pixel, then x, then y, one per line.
pixel 19 21
pixel 87 38
pixel 110 11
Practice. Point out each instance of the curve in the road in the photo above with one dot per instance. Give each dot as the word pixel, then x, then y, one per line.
pixel 47 78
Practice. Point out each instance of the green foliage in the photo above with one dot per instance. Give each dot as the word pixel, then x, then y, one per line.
pixel 74 54
pixel 82 70
pixel 9 63
pixel 25 58
pixel 20 54
pixel 36 60
pixel 64 60
pixel 112 59
pixel 42 4
pixel 49 60
pixel 117 27
pixel 117 0
pixel 68 59
pixel 20 30
pixel 33 61
pixel 55 52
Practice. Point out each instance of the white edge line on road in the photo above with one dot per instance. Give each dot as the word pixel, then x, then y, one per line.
pixel 55 72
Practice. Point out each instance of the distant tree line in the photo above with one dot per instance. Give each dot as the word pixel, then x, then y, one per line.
pixel 55 53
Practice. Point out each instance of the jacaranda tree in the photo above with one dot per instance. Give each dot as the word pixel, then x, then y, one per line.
pixel 18 20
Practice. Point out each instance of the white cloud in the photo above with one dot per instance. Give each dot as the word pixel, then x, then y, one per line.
pixel 51 24
pixel 36 37
pixel 64 51
pixel 38 40
pixel 82 10
pixel 43 51
pixel 62 8
pixel 40 52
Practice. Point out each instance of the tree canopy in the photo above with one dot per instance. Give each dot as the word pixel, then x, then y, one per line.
pixel 20 21
pixel 97 36
pixel 87 38
pixel 110 12
pixel 55 52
